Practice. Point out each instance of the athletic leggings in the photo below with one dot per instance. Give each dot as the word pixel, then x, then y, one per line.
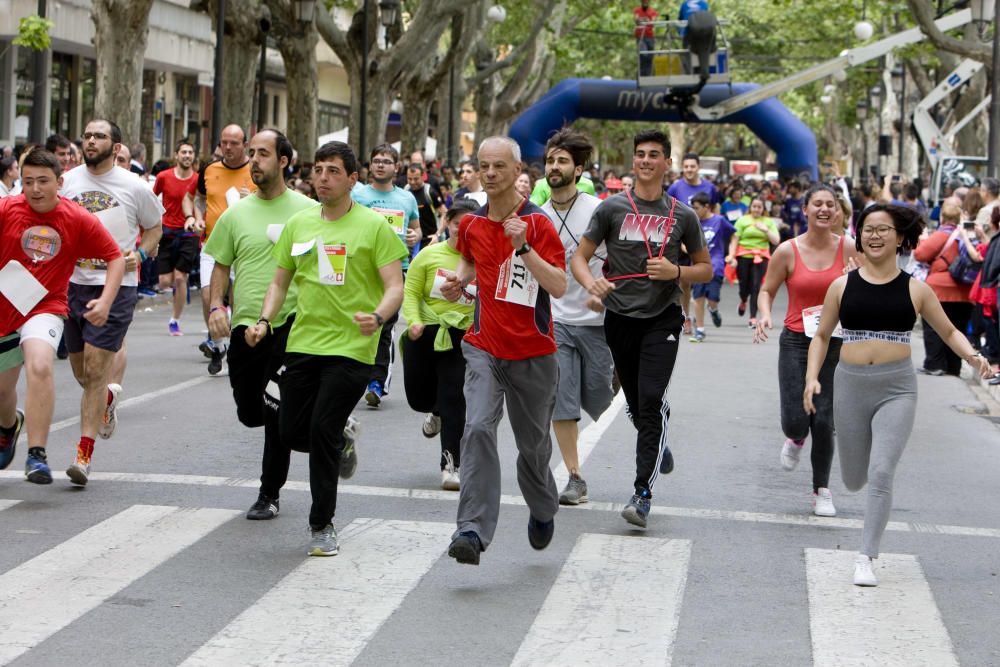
pixel 751 276
pixel 874 408
pixel 793 353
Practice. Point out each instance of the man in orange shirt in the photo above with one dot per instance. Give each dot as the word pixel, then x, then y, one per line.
pixel 644 15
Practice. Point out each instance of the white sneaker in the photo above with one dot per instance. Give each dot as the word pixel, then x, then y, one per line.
pixel 790 452
pixel 823 503
pixel 864 572
pixel 110 420
pixel 449 476
pixel 432 425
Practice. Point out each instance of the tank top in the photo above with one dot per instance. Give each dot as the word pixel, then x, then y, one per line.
pixel 877 312
pixel 807 288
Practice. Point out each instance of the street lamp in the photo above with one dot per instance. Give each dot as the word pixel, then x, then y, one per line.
pixel 876 94
pixel 304 11
pixel 899 88
pixel 861 113
pixel 389 9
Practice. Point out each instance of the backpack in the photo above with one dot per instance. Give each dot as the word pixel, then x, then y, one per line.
pixel 962 269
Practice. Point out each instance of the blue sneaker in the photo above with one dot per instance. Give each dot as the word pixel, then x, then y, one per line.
pixel 8 445
pixel 540 532
pixel 36 467
pixel 174 327
pixel 373 397
pixel 637 509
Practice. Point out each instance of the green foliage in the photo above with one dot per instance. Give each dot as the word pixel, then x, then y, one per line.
pixel 33 33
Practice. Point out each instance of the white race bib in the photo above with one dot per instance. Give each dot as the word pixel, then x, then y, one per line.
pixel 20 287
pixel 468 296
pixel 810 322
pixel 734 215
pixel 516 284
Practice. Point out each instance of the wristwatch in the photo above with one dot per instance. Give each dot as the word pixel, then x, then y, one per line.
pixel 523 250
pixel 378 319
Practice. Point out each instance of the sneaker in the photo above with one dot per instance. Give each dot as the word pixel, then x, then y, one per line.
pixel 265 508
pixel 540 532
pixel 686 327
pixel 575 491
pixel 716 317
pixel 698 337
pixel 36 467
pixel 742 308
pixel 466 547
pixel 790 452
pixel 8 445
pixel 324 541
pixel 823 503
pixel 79 471
pixel 864 572
pixel 637 510
pixel 667 462
pixel 206 347
pixel 110 420
pixel 450 480
pixel 432 425
pixel 349 456
pixel 175 328
pixel 373 397
pixel 215 365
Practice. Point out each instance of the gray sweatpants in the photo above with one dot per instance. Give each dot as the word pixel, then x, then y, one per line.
pixel 874 408
pixel 529 387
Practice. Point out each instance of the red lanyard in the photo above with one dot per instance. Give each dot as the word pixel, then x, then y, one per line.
pixel 642 230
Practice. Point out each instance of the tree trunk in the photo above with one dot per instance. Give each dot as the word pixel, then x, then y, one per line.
pixel 121 28
pixel 375 106
pixel 302 79
pixel 416 120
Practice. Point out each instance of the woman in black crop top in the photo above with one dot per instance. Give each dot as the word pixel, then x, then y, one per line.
pixel 875 400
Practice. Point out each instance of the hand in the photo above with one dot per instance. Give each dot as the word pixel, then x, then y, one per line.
pixel 366 323
pixel 412 237
pixel 730 260
pixel 254 334
pixel 131 260
pixel 452 287
pixel 852 265
pixel 415 331
pixel 762 226
pixel 515 228
pixel 218 324
pixel 813 388
pixel 190 224
pixel 595 304
pixel 982 365
pixel 760 330
pixel 198 226
pixel 659 268
pixel 97 312
pixel 244 192
pixel 601 288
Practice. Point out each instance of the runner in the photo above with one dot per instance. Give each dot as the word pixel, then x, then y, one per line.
pixel 345 261
pixel 124 204
pixel 717 231
pixel 179 244
pixel 807 265
pixel 876 396
pixel 684 189
pixel 749 252
pixel 433 365
pixel 41 235
pixel 642 293
pixel 585 365
pixel 399 208
pixel 513 252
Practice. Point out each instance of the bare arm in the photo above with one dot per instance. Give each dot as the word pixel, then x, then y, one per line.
pixel 930 309
pixel 392 298
pixel 464 274
pixel 273 300
pixel 218 317
pixel 579 264
pixel 551 278
pixel 777 274
pixel 99 308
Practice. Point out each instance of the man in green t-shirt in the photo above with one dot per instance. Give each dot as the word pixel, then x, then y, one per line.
pixel 243 239
pixel 347 265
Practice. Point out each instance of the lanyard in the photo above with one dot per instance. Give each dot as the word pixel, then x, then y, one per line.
pixel 563 219
pixel 517 209
pixel 642 230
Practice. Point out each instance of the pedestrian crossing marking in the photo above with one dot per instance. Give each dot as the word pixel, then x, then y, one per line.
pixel 5 504
pixel 895 623
pixel 45 594
pixel 592 615
pixel 329 608
pixel 589 437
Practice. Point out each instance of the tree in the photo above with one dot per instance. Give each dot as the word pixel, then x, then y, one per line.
pixel 121 28
pixel 924 13
pixel 297 45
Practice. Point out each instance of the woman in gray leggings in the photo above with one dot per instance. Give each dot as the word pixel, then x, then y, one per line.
pixel 875 401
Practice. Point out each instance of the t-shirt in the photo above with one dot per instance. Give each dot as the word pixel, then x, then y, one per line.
pixel 172 191
pixel 502 326
pixel 571 307
pixel 733 211
pixel 648 14
pixel 423 284
pixel 542 190
pixel 47 245
pixel 214 181
pixel 397 206
pixel 616 224
pixel 243 239
pixel 353 249
pixel 428 203
pixel 684 191
pixel 750 236
pixel 717 231
pixel 124 203
pixel 792 215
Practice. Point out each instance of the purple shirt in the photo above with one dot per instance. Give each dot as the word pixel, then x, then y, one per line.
pixel 717 231
pixel 683 191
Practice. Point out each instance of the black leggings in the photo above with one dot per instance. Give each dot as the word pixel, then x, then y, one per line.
pixel 751 277
pixel 937 355
pixel 434 382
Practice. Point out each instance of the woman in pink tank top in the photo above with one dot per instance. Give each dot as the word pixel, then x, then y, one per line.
pixel 806 265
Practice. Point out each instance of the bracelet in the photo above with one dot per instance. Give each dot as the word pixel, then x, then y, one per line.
pixel 142 253
pixel 378 319
pixel 267 322
pixel 678 272
pixel 212 310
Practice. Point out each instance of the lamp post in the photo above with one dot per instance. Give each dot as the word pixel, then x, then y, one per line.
pixel 265 27
pixel 899 88
pixel 861 113
pixel 220 29
pixel 40 103
pixel 876 106
pixel 389 9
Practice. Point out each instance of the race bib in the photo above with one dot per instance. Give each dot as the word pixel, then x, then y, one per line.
pixel 734 215
pixel 332 263
pixel 810 322
pixel 516 284
pixel 21 288
pixel 396 220
pixel 468 296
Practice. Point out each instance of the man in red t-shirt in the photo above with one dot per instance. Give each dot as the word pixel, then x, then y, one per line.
pixel 644 16
pixel 514 253
pixel 179 243
pixel 41 236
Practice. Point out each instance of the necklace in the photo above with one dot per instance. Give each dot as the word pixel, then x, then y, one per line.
pixel 570 201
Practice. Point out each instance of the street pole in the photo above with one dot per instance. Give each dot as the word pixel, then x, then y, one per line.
pixel 994 139
pixel 453 137
pixel 261 93
pixel 902 118
pixel 217 83
pixel 364 82
pixel 39 97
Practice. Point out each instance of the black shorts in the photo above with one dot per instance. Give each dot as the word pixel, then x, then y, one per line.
pixel 178 251
pixel 109 337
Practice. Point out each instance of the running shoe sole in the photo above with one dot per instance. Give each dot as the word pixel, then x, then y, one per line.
pixel 12 448
pixel 110 422
pixel 77 475
pixel 631 514
pixel 464 552
pixel 372 399
pixel 348 462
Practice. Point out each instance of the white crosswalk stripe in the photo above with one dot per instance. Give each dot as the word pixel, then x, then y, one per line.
pixel 896 623
pixel 4 504
pixel 592 616
pixel 50 591
pixel 331 607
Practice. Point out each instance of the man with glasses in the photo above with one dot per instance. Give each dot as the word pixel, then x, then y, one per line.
pixel 400 210
pixel 124 204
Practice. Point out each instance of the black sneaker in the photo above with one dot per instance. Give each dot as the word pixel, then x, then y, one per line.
pixel 206 348
pixel 215 365
pixel 466 547
pixel 540 532
pixel 716 317
pixel 667 462
pixel 265 508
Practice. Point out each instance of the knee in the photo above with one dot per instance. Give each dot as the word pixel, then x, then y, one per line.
pixel 38 370
pixel 880 480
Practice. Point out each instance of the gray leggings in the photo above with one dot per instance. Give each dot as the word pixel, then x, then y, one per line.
pixel 873 407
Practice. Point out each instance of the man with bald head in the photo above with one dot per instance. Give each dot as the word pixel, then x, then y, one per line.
pixel 220 184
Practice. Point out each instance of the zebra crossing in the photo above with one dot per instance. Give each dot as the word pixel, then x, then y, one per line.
pixel 589 614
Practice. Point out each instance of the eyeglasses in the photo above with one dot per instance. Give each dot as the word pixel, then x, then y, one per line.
pixel 880 230
pixel 382 163
pixel 100 136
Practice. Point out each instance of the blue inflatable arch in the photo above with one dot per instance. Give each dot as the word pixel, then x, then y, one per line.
pixel 570 99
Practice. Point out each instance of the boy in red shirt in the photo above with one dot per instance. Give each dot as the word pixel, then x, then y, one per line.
pixel 644 16
pixel 41 236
